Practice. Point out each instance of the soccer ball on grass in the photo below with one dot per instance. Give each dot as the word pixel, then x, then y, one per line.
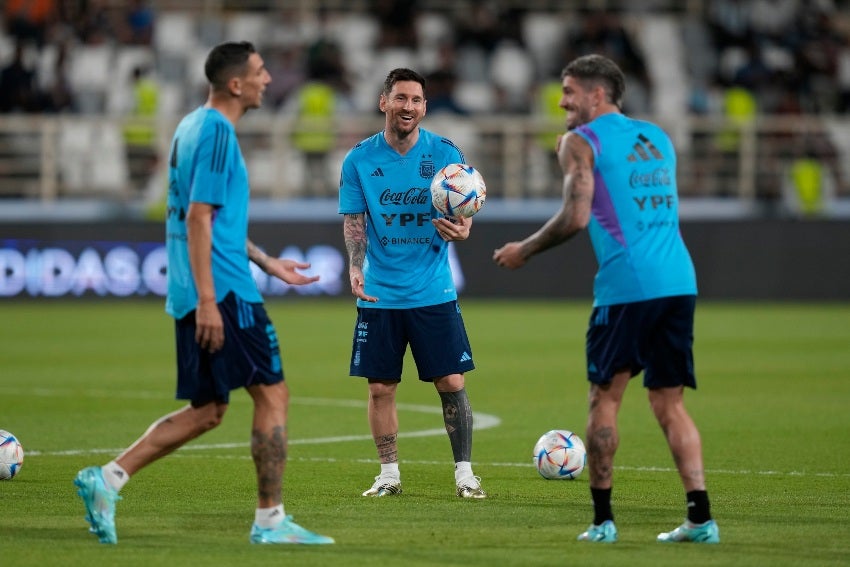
pixel 559 454
pixel 11 455
pixel 458 190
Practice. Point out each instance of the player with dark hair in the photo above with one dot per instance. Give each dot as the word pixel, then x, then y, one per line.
pixel 399 271
pixel 224 337
pixel 620 183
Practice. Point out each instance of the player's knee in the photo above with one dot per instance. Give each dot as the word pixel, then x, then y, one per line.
pixel 667 410
pixel 211 417
pixel 450 383
pixel 382 390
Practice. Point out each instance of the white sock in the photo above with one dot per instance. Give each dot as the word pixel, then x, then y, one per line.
pixel 390 469
pixel 269 517
pixel 114 475
pixel 463 470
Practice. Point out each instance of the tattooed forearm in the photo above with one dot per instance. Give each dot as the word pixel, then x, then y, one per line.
pixel 576 159
pixel 354 232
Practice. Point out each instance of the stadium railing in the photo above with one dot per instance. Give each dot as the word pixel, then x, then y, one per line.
pixel 54 159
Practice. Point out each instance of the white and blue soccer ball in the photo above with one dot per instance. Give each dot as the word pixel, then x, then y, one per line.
pixel 559 454
pixel 11 455
pixel 458 190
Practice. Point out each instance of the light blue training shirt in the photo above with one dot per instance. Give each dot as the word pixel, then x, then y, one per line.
pixel 406 262
pixel 206 166
pixel 634 225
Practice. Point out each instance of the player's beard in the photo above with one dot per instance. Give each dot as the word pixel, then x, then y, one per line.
pixel 577 116
pixel 402 129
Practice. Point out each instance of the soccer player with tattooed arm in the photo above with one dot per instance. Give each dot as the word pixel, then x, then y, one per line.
pixel 619 183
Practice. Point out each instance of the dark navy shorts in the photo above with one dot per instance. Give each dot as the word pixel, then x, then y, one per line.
pixel 250 355
pixel 436 335
pixel 654 336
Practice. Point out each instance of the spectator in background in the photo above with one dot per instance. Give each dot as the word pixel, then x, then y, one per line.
pixel 95 24
pixel 29 19
pixel 817 58
pixel 843 74
pixel 139 20
pixel 602 32
pixel 729 21
pixel 397 23
pixel 58 96
pixel 18 91
pixel 482 26
pixel 286 64
pixel 140 127
pixel 315 103
pixel 441 86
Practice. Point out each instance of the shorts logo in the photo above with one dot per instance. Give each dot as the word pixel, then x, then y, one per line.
pixel 465 357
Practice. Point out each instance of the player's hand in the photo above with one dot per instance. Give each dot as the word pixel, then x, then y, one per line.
pixel 452 228
pixel 285 270
pixel 355 275
pixel 510 256
pixel 209 328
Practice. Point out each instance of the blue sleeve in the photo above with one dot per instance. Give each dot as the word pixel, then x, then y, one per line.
pixel 351 197
pixel 209 183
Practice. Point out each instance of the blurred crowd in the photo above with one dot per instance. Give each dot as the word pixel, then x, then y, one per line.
pixel 735 59
pixel 792 56
pixel 767 56
pixel 32 27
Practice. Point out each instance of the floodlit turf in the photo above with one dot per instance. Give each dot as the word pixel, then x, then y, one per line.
pixel 81 380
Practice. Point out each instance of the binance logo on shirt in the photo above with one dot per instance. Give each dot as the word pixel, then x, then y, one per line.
pixel 644 150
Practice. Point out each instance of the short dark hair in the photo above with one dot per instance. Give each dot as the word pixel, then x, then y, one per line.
pixel 402 74
pixel 593 69
pixel 227 60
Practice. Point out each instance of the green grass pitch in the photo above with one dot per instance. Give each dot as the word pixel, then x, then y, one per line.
pixel 81 380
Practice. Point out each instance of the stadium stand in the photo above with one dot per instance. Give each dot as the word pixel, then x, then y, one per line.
pixel 685 60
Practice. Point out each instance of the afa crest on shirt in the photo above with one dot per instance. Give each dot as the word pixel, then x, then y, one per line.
pixel 427 169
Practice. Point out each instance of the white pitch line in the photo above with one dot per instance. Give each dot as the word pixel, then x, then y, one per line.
pixel 481 421
pixel 183 453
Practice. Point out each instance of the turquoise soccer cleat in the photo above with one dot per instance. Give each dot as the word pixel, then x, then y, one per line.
pixel 287 532
pixel 606 532
pixel 696 533
pixel 99 499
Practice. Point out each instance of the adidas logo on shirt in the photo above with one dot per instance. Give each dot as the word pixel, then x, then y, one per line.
pixel 644 150
pixel 378 173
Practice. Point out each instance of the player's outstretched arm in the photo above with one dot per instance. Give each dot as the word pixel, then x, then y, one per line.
pixel 281 268
pixel 576 159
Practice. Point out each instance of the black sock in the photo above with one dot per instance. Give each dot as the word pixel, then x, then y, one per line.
pixel 698 507
pixel 601 505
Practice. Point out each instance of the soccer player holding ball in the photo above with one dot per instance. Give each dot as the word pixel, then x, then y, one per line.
pixel 400 274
